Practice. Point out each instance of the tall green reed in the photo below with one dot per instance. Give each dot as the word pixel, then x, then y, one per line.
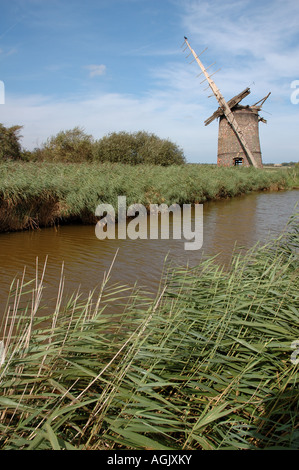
pixel 204 365
pixel 35 195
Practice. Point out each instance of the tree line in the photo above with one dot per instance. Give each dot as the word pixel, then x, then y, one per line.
pixel 76 146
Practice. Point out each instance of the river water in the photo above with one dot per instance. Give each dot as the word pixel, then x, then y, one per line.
pixel 243 220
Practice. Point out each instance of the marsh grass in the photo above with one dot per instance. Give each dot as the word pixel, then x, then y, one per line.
pixel 204 365
pixel 35 195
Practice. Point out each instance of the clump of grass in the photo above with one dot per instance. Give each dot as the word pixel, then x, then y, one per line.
pixel 42 194
pixel 205 365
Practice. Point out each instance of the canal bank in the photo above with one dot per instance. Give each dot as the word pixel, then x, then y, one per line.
pixel 45 194
pixel 228 224
pixel 209 363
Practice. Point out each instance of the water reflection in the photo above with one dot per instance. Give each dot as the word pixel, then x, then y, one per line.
pixel 243 220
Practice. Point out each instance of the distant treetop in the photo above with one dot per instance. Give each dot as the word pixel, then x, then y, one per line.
pixel 73 146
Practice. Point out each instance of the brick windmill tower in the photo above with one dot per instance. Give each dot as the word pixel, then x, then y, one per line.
pixel 238 139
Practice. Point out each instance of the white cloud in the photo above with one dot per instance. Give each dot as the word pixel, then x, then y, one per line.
pixel 250 35
pixel 6 52
pixel 250 41
pixel 101 114
pixel 236 27
pixel 96 70
pixel 172 115
pixel 255 44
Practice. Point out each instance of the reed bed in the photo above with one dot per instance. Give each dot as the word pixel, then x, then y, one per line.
pixel 36 195
pixel 206 365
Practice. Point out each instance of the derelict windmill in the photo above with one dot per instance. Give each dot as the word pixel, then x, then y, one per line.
pixel 238 139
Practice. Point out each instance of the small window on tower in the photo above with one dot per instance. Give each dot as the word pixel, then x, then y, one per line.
pixel 238 161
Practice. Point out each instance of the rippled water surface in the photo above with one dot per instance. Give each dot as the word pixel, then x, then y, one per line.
pixel 243 221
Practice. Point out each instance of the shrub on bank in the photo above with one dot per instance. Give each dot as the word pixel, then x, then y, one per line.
pixel 70 146
pixel 10 147
pixel 140 147
pixel 75 146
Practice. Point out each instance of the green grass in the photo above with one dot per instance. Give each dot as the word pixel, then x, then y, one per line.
pixel 205 365
pixel 42 194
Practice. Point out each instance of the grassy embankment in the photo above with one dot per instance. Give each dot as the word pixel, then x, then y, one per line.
pixel 206 365
pixel 36 195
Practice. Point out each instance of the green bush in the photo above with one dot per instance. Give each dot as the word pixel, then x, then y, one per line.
pixel 70 146
pixel 136 148
pixel 10 147
pixel 117 147
pixel 75 146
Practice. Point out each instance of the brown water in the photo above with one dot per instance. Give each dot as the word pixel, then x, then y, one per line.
pixel 243 221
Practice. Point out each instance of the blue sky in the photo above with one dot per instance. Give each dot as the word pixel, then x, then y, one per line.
pixel 112 65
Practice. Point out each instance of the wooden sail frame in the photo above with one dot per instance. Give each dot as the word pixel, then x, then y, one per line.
pixel 231 103
pixel 224 108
